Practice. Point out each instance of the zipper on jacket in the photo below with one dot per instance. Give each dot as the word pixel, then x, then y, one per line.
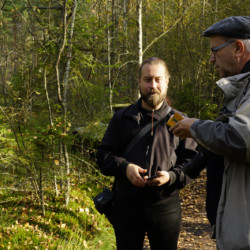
pixel 152 121
pixel 150 141
pixel 147 150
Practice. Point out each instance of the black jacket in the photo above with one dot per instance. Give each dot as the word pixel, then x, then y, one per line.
pixel 160 151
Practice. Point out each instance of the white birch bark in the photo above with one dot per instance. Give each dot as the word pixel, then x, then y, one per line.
pixel 63 98
pixel 139 13
pixel 140 45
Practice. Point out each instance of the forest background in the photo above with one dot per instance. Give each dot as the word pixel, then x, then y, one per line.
pixel 65 65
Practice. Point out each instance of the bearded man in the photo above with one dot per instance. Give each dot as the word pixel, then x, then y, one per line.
pixel 144 204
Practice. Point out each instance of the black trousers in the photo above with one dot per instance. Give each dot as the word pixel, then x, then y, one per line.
pixel 161 220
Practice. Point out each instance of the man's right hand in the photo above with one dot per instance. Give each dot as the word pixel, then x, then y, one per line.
pixel 133 174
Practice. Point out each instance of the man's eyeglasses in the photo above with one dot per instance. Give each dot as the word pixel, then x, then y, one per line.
pixel 214 50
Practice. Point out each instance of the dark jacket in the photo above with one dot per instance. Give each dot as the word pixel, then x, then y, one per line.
pixel 160 151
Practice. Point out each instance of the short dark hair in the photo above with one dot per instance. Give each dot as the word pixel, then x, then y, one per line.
pixel 153 60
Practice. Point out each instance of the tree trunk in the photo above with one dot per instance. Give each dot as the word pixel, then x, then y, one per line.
pixel 109 56
pixel 63 103
pixel 55 186
pixel 66 83
pixel 41 195
pixel 47 95
pixel 163 15
pixel 140 45
pixel 69 54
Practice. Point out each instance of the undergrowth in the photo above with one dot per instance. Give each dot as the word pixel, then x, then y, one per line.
pixel 77 226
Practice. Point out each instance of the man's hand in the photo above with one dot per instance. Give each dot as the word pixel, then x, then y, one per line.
pixel 162 178
pixel 182 128
pixel 133 174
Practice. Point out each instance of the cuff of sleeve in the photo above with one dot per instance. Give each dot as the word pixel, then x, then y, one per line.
pixel 193 128
pixel 172 177
pixel 123 168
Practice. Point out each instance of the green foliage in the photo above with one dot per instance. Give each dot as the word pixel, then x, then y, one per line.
pixel 209 111
pixel 77 226
pixel 35 124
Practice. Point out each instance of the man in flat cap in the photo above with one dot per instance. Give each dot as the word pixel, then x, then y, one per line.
pixel 229 135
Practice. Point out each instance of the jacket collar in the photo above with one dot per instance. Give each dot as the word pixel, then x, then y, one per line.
pixel 137 112
pixel 232 86
pixel 246 67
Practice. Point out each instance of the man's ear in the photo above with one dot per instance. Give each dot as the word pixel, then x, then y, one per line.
pixel 167 81
pixel 240 47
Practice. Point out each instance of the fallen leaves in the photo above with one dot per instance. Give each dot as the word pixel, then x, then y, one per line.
pixel 196 231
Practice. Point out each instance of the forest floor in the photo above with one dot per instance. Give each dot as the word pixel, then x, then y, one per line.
pixel 195 231
pixel 22 225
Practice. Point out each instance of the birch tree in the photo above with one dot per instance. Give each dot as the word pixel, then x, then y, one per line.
pixel 62 91
pixel 140 44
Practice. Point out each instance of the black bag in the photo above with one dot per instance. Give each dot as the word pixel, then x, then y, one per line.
pixel 104 203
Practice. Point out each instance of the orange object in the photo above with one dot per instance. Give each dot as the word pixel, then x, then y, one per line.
pixel 174 119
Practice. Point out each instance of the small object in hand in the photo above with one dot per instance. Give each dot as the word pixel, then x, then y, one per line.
pixel 151 177
pixel 174 119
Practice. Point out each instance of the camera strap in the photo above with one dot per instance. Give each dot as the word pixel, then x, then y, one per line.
pixel 142 133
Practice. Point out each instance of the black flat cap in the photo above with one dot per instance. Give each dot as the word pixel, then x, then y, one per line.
pixel 233 27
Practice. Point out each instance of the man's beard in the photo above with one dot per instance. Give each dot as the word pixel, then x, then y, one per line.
pixel 154 98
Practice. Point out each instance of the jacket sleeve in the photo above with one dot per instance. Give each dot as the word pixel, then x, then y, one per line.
pixel 232 139
pixel 195 166
pixel 109 156
pixel 185 152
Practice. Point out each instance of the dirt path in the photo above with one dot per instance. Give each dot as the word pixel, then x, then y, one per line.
pixel 196 231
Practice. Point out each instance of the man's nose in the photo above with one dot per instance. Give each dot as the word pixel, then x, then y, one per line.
pixel 212 58
pixel 153 84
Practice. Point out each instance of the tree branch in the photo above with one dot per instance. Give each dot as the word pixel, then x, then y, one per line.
pixel 164 33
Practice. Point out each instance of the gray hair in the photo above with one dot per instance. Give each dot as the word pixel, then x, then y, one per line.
pixel 246 43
